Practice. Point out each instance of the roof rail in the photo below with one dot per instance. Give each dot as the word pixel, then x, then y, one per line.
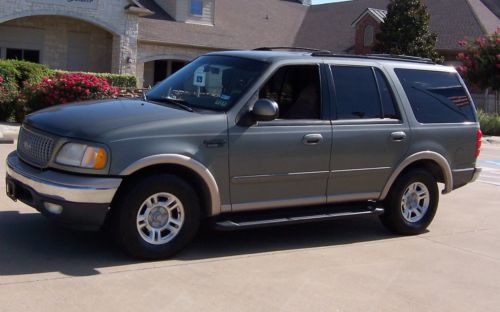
pixel 293 49
pixel 387 57
pixel 405 57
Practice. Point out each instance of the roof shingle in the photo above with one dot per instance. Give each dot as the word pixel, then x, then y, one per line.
pixel 242 24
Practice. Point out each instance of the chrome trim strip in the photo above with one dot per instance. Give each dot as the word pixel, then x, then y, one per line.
pixel 463 170
pixel 67 187
pixel 427 155
pixel 360 169
pixel 331 199
pixel 280 177
pixel 317 200
pixel 176 159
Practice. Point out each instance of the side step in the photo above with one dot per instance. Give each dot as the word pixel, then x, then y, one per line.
pixel 274 218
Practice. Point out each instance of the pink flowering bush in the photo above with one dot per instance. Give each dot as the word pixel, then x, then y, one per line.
pixel 65 88
pixel 481 61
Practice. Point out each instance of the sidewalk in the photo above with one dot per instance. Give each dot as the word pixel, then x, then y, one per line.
pixel 8 132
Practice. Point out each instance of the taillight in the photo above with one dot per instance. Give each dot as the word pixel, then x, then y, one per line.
pixel 479 136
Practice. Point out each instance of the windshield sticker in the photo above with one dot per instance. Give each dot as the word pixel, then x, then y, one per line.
pixel 225 97
pixel 199 79
pixel 220 103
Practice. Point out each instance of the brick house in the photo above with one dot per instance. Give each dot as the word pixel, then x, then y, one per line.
pixel 153 38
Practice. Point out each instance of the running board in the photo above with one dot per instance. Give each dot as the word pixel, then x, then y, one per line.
pixel 246 222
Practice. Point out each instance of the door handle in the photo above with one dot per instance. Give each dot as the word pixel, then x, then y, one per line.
pixel 312 139
pixel 398 136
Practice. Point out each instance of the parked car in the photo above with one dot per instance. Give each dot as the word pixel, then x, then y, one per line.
pixel 253 138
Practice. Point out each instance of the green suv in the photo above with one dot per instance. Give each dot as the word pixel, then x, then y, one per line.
pixel 253 138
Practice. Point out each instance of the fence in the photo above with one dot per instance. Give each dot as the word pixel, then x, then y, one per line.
pixel 487 102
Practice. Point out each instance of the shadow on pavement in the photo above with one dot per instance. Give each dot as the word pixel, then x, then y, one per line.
pixel 30 244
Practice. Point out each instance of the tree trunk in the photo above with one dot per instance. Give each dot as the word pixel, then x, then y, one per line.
pixel 486 100
pixel 497 100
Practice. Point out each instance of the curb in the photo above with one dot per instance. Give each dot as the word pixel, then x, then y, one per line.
pixel 491 140
pixel 8 133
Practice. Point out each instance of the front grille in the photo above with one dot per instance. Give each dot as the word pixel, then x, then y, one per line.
pixel 34 148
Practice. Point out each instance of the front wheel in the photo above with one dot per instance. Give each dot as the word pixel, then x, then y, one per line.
pixel 411 203
pixel 156 216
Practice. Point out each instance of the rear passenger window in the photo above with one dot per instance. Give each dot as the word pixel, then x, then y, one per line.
pixel 436 97
pixel 356 93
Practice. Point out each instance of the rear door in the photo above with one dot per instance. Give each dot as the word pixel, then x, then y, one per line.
pixel 370 137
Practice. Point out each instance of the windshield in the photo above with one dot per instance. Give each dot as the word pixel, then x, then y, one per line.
pixel 209 82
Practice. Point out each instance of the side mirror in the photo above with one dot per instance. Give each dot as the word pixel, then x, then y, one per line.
pixel 265 110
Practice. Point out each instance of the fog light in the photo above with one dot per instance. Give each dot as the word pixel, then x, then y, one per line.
pixel 53 208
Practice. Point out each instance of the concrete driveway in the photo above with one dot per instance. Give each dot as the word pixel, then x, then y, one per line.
pixel 347 265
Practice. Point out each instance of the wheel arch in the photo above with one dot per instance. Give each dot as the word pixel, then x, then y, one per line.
pixel 434 162
pixel 191 170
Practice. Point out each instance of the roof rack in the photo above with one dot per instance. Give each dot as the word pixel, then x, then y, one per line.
pixel 388 57
pixel 293 49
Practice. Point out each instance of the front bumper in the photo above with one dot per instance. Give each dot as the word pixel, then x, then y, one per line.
pixel 76 200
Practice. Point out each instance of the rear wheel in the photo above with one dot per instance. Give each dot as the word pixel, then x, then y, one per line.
pixel 411 203
pixel 156 217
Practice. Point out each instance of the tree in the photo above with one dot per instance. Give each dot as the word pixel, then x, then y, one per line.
pixel 481 62
pixel 405 31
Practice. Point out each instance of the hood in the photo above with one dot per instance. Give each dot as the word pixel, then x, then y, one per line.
pixel 95 120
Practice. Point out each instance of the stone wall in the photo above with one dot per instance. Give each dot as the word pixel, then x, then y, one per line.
pixel 54 41
pixel 149 52
pixel 109 15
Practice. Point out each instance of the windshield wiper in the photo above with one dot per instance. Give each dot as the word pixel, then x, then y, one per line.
pixel 177 102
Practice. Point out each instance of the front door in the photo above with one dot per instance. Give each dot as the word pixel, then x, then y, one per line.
pixel 284 162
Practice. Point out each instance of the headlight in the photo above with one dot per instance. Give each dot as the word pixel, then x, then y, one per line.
pixel 81 155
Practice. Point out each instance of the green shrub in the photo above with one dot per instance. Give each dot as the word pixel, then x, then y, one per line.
pixel 25 72
pixel 18 94
pixel 8 71
pixel 120 81
pixel 9 94
pixel 490 124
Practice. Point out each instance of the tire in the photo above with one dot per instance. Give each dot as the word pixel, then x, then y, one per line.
pixel 412 203
pixel 156 216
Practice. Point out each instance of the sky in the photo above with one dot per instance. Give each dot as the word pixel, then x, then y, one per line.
pixel 326 1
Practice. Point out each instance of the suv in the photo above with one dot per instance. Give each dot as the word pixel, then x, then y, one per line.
pixel 253 138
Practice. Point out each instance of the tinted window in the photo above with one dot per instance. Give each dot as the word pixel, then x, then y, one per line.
pixel 296 89
pixel 356 93
pixel 436 97
pixel 14 54
pixel 32 56
pixel 388 104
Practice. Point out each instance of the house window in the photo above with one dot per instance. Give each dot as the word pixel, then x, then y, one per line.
pixel 369 34
pixel 197 7
pixel 22 54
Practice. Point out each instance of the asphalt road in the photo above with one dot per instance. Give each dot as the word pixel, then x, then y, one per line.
pixel 347 265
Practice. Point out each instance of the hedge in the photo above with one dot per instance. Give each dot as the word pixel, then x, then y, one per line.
pixel 19 77
pixel 490 123
pixel 115 80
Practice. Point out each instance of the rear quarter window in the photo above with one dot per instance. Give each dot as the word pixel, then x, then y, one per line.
pixel 436 97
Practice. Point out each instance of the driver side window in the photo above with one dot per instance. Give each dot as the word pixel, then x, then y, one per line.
pixel 297 91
